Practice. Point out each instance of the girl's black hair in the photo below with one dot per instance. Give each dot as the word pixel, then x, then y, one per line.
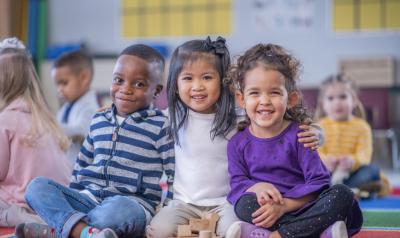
pixel 218 55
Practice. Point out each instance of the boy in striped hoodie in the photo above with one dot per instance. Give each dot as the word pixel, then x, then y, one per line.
pixel 114 188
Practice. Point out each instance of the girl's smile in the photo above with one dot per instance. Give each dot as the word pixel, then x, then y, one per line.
pixel 199 86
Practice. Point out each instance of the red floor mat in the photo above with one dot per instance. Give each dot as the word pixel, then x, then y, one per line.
pixel 366 233
pixel 5 232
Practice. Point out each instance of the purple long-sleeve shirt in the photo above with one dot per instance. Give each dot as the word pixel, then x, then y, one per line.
pixel 281 160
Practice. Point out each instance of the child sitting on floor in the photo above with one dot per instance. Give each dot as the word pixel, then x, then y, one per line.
pixel 115 184
pixel 278 187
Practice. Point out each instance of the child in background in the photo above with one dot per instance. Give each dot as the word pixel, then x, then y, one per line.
pixel 31 142
pixel 73 73
pixel 276 183
pixel 201 110
pixel 115 184
pixel 348 145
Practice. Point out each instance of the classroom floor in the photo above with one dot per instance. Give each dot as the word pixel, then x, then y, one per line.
pixel 393 176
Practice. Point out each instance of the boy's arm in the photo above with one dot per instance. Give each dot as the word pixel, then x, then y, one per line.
pixel 239 177
pixel 165 147
pixel 85 158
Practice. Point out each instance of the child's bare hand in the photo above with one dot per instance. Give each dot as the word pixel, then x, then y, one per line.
pixel 267 215
pixel 309 136
pixel 331 163
pixel 346 163
pixel 266 192
pixel 102 109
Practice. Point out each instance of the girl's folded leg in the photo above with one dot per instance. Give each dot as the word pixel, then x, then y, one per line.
pixel 165 222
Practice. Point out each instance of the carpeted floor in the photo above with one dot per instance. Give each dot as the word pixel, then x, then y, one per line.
pixel 381 218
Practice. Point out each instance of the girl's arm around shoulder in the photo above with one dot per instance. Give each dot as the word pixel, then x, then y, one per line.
pixel 312 136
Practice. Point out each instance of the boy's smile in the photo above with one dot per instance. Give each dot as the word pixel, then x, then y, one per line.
pixel 133 85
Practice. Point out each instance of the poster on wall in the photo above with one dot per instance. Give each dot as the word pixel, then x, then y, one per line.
pixel 284 15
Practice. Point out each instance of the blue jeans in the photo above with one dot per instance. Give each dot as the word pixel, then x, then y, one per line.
pixel 62 207
pixel 365 174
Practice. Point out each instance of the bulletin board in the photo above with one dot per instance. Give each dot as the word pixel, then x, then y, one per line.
pixel 158 18
pixel 366 15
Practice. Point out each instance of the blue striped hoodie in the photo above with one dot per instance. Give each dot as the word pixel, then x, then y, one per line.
pixel 127 159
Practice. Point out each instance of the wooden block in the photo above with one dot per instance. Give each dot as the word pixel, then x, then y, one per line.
pixel 197 225
pixel 212 218
pixel 205 234
pixel 184 230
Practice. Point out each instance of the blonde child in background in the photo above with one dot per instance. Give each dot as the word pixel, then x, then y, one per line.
pixel 201 110
pixel 347 150
pixel 276 183
pixel 31 142
pixel 114 189
pixel 73 73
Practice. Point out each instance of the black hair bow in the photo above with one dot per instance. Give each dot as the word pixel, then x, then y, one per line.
pixel 218 45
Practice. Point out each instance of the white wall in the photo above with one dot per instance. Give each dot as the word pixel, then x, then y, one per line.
pixel 97 23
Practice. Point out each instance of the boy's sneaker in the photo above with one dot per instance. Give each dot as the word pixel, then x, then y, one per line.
pixel 336 230
pixel 91 232
pixel 34 230
pixel 242 229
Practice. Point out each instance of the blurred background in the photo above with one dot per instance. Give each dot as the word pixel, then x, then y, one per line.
pixel 358 37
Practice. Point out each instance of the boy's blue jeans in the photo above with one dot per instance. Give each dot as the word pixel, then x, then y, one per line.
pixel 62 207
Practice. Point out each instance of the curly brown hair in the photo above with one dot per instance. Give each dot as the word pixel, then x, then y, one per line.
pixel 272 57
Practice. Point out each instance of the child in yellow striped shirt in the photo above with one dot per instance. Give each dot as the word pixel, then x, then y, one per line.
pixel 348 138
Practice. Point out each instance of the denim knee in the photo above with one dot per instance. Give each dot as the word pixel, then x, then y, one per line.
pixel 35 188
pixel 122 214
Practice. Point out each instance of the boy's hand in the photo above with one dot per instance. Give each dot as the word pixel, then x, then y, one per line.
pixel 266 193
pixel 309 136
pixel 268 214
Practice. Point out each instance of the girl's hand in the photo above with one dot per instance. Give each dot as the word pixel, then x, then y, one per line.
pixel 310 136
pixel 266 192
pixel 267 215
pixel 104 108
pixel 331 163
pixel 346 163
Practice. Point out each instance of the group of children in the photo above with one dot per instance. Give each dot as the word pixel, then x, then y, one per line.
pixel 263 181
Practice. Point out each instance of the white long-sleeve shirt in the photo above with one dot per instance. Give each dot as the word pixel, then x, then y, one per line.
pixel 79 120
pixel 201 168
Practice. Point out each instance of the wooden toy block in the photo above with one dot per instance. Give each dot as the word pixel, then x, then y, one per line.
pixel 212 218
pixel 184 230
pixel 197 225
pixel 205 234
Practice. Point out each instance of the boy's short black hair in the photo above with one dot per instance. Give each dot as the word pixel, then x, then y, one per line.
pixel 148 54
pixel 77 61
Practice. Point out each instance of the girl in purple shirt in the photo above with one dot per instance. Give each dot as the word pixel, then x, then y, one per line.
pixel 278 187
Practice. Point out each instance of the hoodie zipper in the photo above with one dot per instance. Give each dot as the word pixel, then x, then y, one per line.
pixel 114 139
